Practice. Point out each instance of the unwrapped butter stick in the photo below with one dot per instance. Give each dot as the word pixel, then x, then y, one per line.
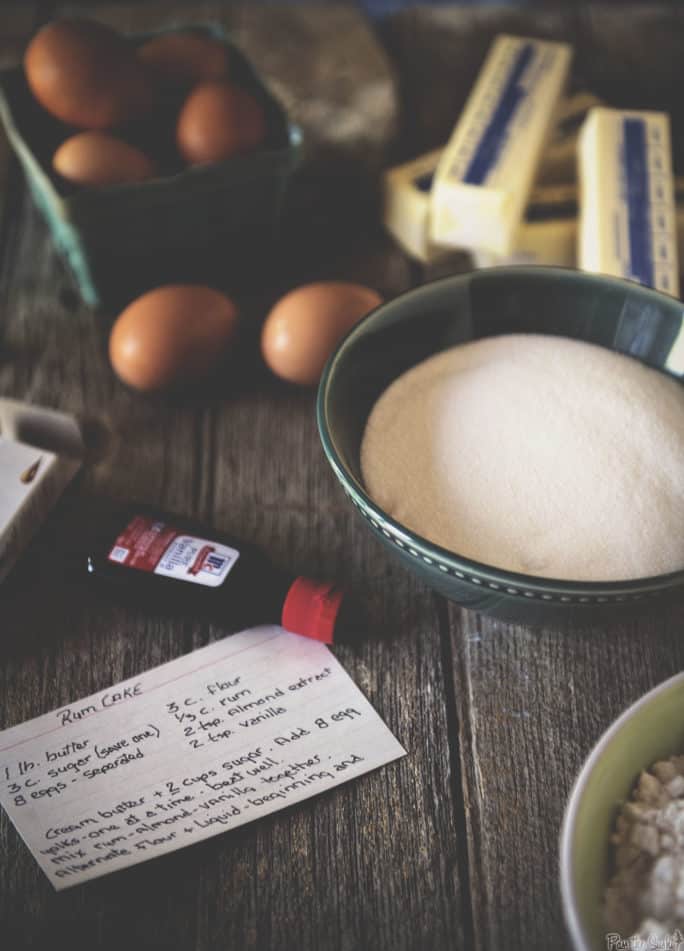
pixel 627 217
pixel 406 198
pixel 407 187
pixel 546 235
pixel 485 176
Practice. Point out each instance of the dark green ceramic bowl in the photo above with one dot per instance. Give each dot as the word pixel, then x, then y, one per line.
pixel 616 314
pixel 650 730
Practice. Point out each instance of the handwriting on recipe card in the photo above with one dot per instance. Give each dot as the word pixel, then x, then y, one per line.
pixel 210 741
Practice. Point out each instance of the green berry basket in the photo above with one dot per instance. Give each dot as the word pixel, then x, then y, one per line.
pixel 214 224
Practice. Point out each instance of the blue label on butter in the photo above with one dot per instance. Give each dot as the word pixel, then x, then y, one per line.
pixel 496 130
pixel 639 226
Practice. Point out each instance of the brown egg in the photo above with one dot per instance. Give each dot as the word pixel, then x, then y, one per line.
pixel 219 120
pixel 86 74
pixel 172 335
pixel 178 60
pixel 96 158
pixel 305 326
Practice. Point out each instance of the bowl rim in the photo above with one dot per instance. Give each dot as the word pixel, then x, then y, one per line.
pixel 466 569
pixel 579 934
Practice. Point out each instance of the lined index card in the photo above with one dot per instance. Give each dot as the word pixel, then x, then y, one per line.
pixel 198 746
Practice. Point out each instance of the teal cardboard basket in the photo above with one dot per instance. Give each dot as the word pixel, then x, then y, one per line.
pixel 214 224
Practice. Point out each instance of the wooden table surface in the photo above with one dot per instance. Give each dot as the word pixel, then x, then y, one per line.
pixel 454 846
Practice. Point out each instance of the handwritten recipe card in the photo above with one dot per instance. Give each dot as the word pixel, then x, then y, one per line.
pixel 205 743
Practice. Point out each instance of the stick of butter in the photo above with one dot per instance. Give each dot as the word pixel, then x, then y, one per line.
pixel 407 189
pixel 485 176
pixel 627 220
pixel 546 235
pixel 406 196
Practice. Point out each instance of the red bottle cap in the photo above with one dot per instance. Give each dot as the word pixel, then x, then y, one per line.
pixel 311 608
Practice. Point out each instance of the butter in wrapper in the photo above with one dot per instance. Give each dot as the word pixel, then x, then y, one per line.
pixel 485 176
pixel 627 225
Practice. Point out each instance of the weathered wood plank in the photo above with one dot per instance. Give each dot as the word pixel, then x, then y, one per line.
pixel 497 716
pixel 373 864
pixel 531 705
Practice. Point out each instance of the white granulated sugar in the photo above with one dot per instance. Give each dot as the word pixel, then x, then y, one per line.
pixel 542 455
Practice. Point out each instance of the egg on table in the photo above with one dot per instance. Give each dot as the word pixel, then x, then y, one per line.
pixel 172 335
pixel 181 59
pixel 86 74
pixel 305 326
pixel 219 120
pixel 97 158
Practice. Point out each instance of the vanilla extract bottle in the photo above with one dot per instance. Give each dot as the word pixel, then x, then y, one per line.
pixel 171 562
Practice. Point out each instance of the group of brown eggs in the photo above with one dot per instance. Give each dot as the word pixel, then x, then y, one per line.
pixel 179 334
pixel 91 78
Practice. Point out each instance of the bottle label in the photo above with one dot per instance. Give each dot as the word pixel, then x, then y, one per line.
pixel 160 548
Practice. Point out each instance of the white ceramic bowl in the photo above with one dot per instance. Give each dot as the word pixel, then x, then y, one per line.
pixel 649 730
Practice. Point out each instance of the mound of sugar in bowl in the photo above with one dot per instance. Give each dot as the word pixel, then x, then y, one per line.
pixel 541 455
